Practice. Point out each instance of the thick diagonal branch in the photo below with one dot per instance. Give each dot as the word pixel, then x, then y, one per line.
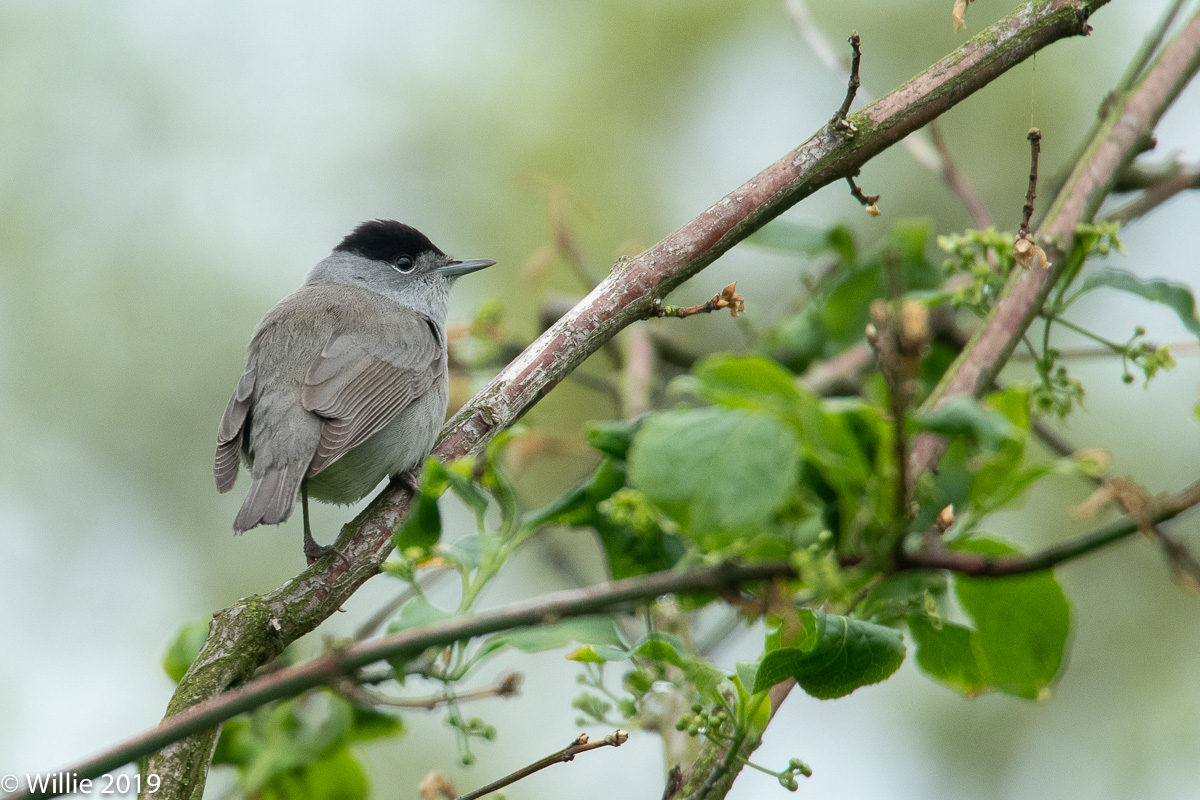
pixel 1129 123
pixel 256 629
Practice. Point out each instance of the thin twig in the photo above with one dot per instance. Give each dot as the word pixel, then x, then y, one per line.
pixel 839 120
pixel 508 686
pixel 1156 194
pixel 867 200
pixel 568 753
pixel 798 12
pixel 975 565
pixel 1035 148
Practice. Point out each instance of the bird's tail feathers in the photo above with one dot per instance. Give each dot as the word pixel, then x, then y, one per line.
pixel 271 498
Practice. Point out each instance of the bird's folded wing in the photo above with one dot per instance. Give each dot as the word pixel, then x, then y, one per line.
pixel 358 384
pixel 229 435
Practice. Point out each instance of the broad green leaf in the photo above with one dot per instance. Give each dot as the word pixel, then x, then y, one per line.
pixel 422 528
pixel 613 438
pixel 796 341
pixel 948 654
pixel 1021 624
pixel 801 632
pixel 415 612
pixel 367 724
pixel 458 475
pixel 839 440
pixel 847 653
pixel 718 471
pixel 963 416
pixel 338 776
pixel 582 630
pixel 578 506
pixel 748 382
pixel 746 673
pixel 184 648
pixel 586 654
pixel 1175 296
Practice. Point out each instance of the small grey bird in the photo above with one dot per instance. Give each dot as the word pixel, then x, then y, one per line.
pixel 346 380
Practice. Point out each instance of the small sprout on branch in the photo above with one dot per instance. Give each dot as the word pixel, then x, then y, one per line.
pixel 868 201
pixel 728 298
pixel 839 121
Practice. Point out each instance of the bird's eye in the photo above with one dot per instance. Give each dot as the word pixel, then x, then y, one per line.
pixel 403 265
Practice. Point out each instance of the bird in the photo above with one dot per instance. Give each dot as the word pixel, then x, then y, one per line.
pixel 346 380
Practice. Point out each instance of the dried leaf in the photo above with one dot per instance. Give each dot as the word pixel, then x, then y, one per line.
pixel 958 15
pixel 435 785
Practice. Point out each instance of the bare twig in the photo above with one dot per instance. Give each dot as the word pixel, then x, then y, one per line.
pixel 1156 511
pixel 508 686
pixel 798 12
pixel 1026 251
pixel 839 120
pixel 1035 147
pixel 1157 193
pixel 568 753
pixel 868 201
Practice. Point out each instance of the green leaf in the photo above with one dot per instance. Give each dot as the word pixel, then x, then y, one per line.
pixel 415 612
pixel 422 528
pixel 746 674
pixel 1021 624
pixel 367 724
pixel 583 630
pixel 948 654
pixel 338 776
pixel 613 438
pixel 963 416
pixel 184 648
pixel 458 475
pixel 845 654
pixel 718 471
pixel 1176 296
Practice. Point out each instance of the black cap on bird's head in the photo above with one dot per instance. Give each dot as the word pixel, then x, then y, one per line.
pixel 396 243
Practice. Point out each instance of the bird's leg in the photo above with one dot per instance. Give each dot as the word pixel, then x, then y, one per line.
pixel 312 550
pixel 411 479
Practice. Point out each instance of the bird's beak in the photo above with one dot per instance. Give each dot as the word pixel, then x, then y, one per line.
pixel 454 267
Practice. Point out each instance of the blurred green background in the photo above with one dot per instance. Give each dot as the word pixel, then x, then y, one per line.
pixel 168 171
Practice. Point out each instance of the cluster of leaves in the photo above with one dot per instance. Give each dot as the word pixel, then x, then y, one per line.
pixel 754 466
pixel 985 258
